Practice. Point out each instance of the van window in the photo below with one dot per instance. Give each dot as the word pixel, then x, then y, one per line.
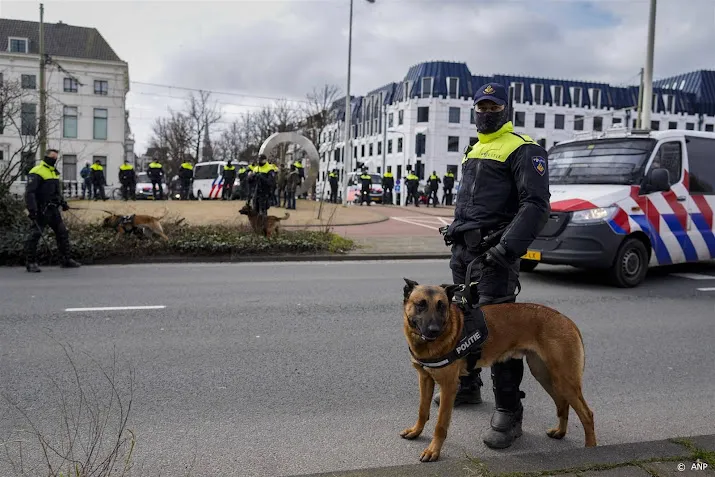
pixel 205 172
pixel 670 158
pixel 602 161
pixel 701 159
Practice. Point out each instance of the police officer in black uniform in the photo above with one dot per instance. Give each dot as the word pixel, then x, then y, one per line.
pixel 229 178
pixel 448 185
pixel 43 198
pixel 365 182
pixel 505 186
pixel 333 180
pixel 433 184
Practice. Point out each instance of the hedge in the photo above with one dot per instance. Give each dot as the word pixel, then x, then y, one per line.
pixel 93 244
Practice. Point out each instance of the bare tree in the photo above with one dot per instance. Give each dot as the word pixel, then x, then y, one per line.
pixel 229 144
pixel 319 111
pixel 174 135
pixel 203 114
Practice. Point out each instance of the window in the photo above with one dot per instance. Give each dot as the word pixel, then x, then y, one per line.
pixel 472 117
pixel 71 85
pixel 390 119
pixel 454 170
pixel 423 114
pixel 69 167
pixel 454 115
pixel 362 150
pixel 709 128
pixel 453 87
pixel 389 146
pixel 473 141
pixel 400 117
pixel 69 122
pixel 597 123
pixel 399 144
pixel 355 152
pixel 405 91
pixel 101 87
pixel 672 125
pixel 616 120
pixel 691 126
pixel 578 123
pixel 426 87
pixel 596 98
pixel 576 100
pixel 18 45
pixel 28 119
pixel 671 104
pixel 669 158
pixel 28 82
pixel 558 95
pixel 655 125
pixel 538 94
pixel 540 120
pixel 518 92
pixel 100 123
pixel 371 149
pixel 453 144
pixel 28 162
pixel 559 121
pixel 519 119
pixel 702 165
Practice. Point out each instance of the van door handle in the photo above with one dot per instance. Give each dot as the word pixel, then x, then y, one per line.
pixel 682 198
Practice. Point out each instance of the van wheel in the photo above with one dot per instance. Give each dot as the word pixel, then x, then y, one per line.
pixel 631 264
pixel 527 265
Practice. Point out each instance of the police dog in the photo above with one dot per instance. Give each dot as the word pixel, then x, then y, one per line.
pixel 551 342
pixel 272 223
pixel 139 224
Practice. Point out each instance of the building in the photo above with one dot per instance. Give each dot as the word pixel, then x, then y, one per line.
pixel 87 84
pixel 431 110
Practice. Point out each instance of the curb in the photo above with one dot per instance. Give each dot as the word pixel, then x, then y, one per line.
pixel 661 455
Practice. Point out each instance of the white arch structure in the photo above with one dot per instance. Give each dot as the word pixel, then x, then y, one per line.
pixel 292 137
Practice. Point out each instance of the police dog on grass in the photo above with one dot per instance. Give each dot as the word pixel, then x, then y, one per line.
pixel 272 223
pixel 551 342
pixel 140 224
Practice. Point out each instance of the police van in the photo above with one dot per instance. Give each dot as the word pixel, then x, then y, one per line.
pixel 629 200
pixel 208 179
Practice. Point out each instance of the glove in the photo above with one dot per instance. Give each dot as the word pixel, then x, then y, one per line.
pixel 498 255
pixel 65 206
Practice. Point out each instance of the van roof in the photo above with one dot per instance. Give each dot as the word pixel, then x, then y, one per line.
pixel 615 133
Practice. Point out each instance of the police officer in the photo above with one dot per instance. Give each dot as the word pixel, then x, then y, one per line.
pixel 448 185
pixel 506 186
pixel 433 182
pixel 156 176
pixel 333 179
pixel 262 183
pixel 243 183
pixel 86 174
pixel 388 183
pixel 229 178
pixel 128 180
pixel 98 180
pixel 186 175
pixel 43 198
pixel 365 183
pixel 413 183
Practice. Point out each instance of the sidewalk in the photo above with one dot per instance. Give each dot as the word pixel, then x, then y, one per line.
pixel 695 455
pixel 400 247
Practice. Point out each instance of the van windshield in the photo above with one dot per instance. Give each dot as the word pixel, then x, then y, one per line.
pixel 602 161
pixel 205 172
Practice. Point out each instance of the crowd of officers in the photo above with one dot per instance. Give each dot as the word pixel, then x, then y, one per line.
pixel 412 183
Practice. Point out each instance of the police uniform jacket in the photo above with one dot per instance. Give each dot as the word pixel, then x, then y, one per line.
pixel 448 181
pixel 505 181
pixel 43 188
pixel 97 175
pixel 127 175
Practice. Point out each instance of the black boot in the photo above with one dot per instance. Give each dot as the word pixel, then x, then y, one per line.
pixel 469 391
pixel 505 425
pixel 33 267
pixel 69 263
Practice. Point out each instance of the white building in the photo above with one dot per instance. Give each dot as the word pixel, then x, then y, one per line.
pixel 435 100
pixel 86 83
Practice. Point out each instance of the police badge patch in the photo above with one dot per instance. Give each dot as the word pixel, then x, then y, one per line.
pixel 539 164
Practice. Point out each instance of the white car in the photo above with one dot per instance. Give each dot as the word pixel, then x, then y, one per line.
pixel 144 189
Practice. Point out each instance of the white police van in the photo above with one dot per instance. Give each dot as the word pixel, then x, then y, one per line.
pixel 629 200
pixel 208 179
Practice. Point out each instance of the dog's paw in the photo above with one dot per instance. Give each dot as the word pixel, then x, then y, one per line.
pixel 555 433
pixel 430 454
pixel 411 433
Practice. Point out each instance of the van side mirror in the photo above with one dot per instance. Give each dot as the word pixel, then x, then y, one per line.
pixel 658 180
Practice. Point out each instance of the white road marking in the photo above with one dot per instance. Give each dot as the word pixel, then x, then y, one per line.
pixel 411 222
pixel 707 289
pixel 694 276
pixel 117 308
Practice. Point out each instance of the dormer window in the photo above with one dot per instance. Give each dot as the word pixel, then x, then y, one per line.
pixel 453 87
pixel 576 97
pixel 518 92
pixel 538 94
pixel 17 45
pixel 558 95
pixel 596 98
pixel 405 91
pixel 426 87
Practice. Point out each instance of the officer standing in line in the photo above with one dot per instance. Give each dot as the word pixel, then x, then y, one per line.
pixel 262 185
pixel 128 180
pixel 229 178
pixel 433 183
pixel 510 191
pixel 413 184
pixel 333 179
pixel 448 185
pixel 156 176
pixel 186 175
pixel 98 180
pixel 388 183
pixel 86 174
pixel 243 183
pixel 365 183
pixel 43 198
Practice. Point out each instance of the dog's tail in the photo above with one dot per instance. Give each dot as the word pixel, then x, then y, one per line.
pixel 166 212
pixel 108 212
pixel 583 349
pixel 286 216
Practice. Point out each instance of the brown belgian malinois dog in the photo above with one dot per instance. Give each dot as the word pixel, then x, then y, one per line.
pixel 267 226
pixel 551 342
pixel 137 223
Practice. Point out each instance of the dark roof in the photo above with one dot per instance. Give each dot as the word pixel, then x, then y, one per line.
pixel 694 93
pixel 60 40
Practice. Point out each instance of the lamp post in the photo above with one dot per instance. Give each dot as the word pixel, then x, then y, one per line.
pixel 348 150
pixel 648 70
pixel 404 162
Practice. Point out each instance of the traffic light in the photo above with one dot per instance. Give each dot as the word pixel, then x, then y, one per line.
pixel 420 144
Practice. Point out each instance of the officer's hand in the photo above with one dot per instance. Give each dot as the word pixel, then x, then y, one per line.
pixel 498 256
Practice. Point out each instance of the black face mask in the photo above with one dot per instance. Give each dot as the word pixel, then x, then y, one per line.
pixel 488 123
pixel 50 161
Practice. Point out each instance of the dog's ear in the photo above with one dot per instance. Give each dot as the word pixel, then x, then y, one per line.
pixel 410 285
pixel 450 289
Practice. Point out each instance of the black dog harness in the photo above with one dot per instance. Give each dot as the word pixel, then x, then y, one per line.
pixel 126 220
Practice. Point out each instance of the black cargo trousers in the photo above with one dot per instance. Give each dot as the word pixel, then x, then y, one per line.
pixel 495 282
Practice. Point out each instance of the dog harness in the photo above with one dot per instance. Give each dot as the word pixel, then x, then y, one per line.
pixel 125 220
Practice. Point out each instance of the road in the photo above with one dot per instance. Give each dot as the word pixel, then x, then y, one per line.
pixel 284 369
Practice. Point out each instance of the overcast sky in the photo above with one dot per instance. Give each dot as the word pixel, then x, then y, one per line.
pixel 271 49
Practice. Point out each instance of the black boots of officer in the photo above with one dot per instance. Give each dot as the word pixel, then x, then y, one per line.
pixel 505 425
pixel 33 267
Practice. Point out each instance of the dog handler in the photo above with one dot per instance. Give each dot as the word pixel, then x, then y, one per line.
pixel 505 186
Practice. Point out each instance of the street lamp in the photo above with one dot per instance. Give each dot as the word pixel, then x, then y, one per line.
pixel 404 166
pixel 348 149
pixel 648 70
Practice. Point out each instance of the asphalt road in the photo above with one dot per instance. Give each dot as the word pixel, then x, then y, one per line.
pixel 284 369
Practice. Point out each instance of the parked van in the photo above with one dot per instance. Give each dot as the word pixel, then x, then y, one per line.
pixel 208 179
pixel 626 201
